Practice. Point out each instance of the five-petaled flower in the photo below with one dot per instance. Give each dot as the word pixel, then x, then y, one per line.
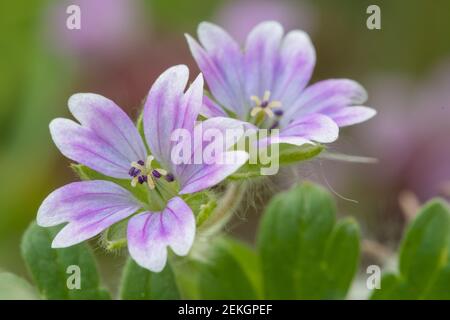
pixel 265 84
pixel 107 141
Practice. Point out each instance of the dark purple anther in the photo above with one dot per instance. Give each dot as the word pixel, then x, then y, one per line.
pixel 142 179
pixel 264 104
pixel 141 162
pixel 274 125
pixel 170 177
pixel 134 172
pixel 278 112
pixel 156 174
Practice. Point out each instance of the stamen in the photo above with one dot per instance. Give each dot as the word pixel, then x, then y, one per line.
pixel 278 112
pixel 156 174
pixel 143 172
pixel 142 179
pixel 264 107
pixel 274 125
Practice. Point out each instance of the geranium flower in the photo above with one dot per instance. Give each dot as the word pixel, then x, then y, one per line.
pixel 266 84
pixel 107 141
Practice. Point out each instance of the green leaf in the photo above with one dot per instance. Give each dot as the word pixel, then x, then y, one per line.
pixel 115 237
pixel 13 287
pixel 424 265
pixel 304 254
pixel 290 154
pixel 229 272
pixel 202 204
pixel 141 284
pixel 50 267
pixel 341 258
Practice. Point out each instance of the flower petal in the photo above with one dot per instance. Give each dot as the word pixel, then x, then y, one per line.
pixel 207 175
pixel 351 115
pixel 107 140
pixel 150 233
pixel 315 127
pixel 89 207
pixel 216 135
pixel 168 108
pixel 297 58
pixel 261 57
pixel 326 95
pixel 84 146
pixel 221 61
pixel 211 109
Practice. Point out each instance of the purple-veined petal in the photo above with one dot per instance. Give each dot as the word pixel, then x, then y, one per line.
pixel 150 233
pixel 298 141
pixel 211 109
pixel 83 146
pixel 221 61
pixel 168 108
pixel 314 127
pixel 261 57
pixel 326 95
pixel 107 140
pixel 297 58
pixel 216 135
pixel 89 207
pixel 351 115
pixel 207 175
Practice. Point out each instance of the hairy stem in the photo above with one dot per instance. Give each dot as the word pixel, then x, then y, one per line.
pixel 224 211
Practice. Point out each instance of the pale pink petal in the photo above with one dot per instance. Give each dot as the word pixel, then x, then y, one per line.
pixel 325 95
pixel 83 146
pixel 261 57
pixel 221 61
pixel 168 108
pixel 106 139
pixel 315 127
pixel 150 233
pixel 89 207
pixel 297 58
pixel 351 115
pixel 218 134
pixel 211 109
pixel 207 175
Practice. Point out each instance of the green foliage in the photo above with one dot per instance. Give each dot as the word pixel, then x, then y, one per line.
pixel 13 287
pixel 48 266
pixel 141 284
pixel 115 237
pixel 304 253
pixel 424 265
pixel 230 272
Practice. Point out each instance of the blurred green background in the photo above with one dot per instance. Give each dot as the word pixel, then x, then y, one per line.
pixel 124 45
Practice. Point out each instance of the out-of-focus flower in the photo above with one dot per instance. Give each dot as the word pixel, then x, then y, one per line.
pixel 108 27
pixel 239 17
pixel 266 84
pixel 107 141
pixel 410 137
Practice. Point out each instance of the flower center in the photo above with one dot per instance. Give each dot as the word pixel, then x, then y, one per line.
pixel 265 107
pixel 143 172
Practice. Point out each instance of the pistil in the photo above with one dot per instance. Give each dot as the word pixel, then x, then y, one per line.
pixel 264 107
pixel 143 172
